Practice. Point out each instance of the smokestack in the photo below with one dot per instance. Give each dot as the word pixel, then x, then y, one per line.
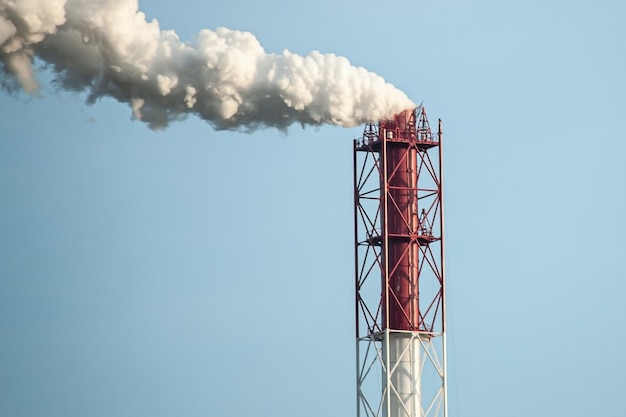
pixel 399 262
pixel 106 48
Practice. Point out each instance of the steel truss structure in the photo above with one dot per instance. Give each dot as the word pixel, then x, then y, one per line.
pixel 399 264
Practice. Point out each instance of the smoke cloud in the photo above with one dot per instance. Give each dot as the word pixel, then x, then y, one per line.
pixel 107 48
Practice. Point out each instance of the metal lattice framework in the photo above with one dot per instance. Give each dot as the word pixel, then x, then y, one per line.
pixel 400 309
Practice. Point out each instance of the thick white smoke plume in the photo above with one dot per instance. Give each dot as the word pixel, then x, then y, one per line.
pixel 107 48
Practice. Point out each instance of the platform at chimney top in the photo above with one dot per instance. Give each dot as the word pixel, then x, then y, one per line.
pixel 374 143
pixel 410 128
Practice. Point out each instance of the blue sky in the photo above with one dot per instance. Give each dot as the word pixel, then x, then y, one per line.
pixel 196 272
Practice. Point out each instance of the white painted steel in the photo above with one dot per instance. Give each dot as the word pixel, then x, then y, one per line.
pixel 415 383
pixel 404 375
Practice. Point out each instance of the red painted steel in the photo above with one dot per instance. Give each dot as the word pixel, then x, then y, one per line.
pixel 401 221
pixel 405 226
